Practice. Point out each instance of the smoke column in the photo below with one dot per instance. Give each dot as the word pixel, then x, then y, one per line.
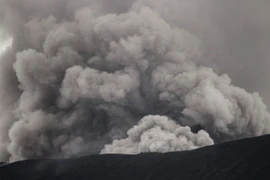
pixel 116 76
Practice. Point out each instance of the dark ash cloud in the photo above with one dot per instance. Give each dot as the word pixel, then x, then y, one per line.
pixel 81 74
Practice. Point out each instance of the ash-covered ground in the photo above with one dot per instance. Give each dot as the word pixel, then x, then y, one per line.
pixel 243 159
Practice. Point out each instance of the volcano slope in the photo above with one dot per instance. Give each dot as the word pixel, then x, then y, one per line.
pixel 247 159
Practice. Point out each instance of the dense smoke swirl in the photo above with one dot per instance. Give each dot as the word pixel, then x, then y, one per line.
pixel 75 81
pixel 158 134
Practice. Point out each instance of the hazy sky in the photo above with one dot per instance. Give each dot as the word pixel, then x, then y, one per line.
pixel 4 44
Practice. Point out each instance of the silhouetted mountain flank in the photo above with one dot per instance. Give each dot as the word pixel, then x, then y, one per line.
pixel 246 159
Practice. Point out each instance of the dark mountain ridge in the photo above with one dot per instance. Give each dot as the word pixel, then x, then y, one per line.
pixel 246 159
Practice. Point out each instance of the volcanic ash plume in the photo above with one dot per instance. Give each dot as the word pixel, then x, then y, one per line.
pixel 78 78
pixel 158 134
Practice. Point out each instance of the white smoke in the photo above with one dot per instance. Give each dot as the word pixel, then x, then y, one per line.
pixel 80 75
pixel 158 134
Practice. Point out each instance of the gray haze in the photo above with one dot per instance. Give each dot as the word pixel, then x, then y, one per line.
pixel 80 74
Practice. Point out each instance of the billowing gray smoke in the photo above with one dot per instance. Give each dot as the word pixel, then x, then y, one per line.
pixel 158 134
pixel 80 74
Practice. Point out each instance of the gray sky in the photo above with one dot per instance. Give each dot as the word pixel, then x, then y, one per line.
pixel 4 42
